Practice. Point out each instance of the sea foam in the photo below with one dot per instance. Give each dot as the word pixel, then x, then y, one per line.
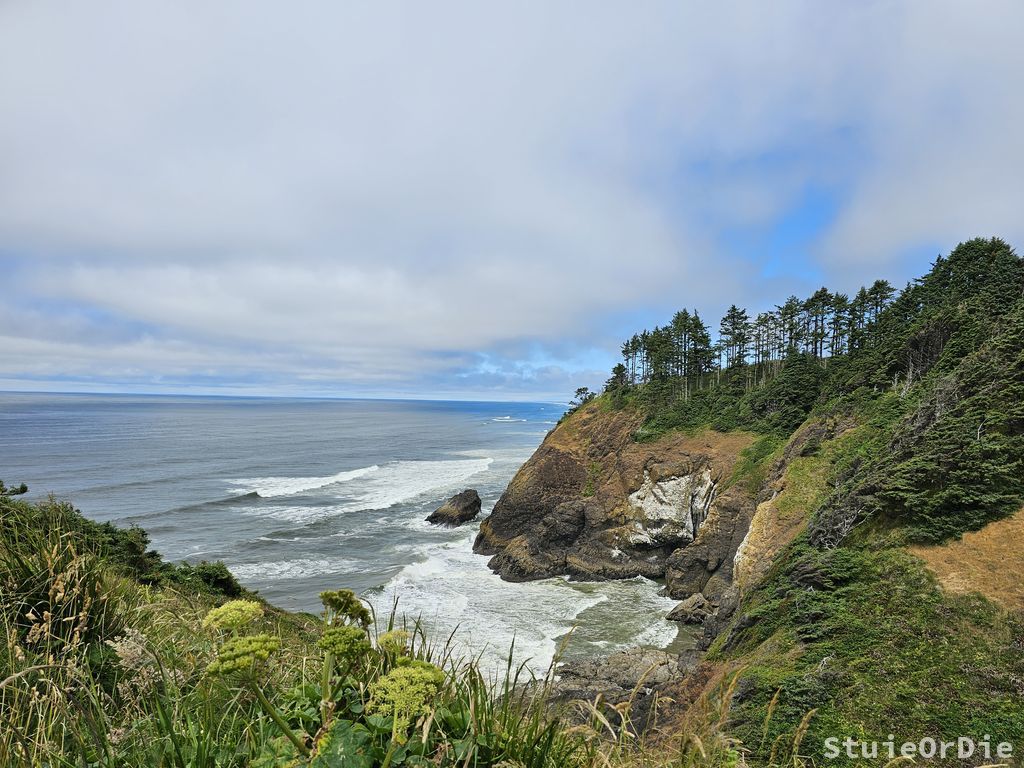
pixel 402 481
pixel 450 589
pixel 268 487
pixel 287 569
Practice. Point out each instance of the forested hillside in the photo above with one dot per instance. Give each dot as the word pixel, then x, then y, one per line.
pixel 937 367
pixel 895 418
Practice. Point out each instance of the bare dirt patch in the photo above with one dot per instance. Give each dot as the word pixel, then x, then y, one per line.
pixel 989 561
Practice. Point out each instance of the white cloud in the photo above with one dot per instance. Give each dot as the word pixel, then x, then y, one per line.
pixel 356 194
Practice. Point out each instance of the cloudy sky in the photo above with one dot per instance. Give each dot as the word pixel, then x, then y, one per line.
pixel 471 199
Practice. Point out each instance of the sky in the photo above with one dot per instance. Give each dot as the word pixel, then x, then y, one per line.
pixel 471 200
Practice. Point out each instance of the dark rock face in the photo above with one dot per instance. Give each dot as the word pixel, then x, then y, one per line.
pixel 459 509
pixel 593 503
pixel 692 610
pixel 706 565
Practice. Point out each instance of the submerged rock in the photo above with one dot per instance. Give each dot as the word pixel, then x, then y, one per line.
pixel 459 509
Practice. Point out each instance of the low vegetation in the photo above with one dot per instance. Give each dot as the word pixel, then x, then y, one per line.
pixel 106 665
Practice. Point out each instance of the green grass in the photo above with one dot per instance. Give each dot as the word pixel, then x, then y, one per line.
pixel 867 640
pixel 593 479
pixel 754 462
pixel 863 636
pixel 103 670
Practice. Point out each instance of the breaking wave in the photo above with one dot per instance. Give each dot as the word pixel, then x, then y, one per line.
pixel 269 487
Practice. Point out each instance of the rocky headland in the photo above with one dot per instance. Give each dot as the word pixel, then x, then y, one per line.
pixel 594 503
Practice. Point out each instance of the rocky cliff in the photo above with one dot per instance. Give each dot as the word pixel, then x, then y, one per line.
pixel 593 503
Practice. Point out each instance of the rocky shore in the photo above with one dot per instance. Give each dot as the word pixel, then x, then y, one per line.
pixel 636 677
pixel 594 503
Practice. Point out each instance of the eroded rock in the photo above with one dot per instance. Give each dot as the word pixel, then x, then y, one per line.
pixel 692 610
pixel 592 503
pixel 671 510
pixel 636 675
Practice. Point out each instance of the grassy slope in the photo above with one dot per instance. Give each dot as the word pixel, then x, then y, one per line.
pixel 989 561
pixel 103 668
pixel 105 654
pixel 863 635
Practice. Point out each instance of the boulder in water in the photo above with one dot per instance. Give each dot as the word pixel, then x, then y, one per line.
pixel 459 509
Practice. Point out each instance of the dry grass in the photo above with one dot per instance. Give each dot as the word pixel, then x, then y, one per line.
pixel 989 561
pixel 611 432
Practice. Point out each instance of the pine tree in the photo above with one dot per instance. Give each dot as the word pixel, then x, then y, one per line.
pixel 734 333
pixel 839 330
pixel 792 327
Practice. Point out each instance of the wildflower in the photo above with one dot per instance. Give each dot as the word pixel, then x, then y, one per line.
pixel 346 643
pixel 131 650
pixel 233 615
pixel 243 654
pixel 343 603
pixel 394 642
pixel 134 658
pixel 406 692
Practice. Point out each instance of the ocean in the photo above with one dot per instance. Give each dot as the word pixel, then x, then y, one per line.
pixel 297 496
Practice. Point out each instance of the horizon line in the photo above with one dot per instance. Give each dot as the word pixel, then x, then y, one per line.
pixel 387 398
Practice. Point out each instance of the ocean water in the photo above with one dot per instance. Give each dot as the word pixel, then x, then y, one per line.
pixel 298 496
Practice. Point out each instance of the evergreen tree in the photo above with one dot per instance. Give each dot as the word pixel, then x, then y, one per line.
pixel 839 330
pixel 702 351
pixel 879 295
pixel 817 310
pixel 859 309
pixel 734 335
pixel 790 315
pixel 619 379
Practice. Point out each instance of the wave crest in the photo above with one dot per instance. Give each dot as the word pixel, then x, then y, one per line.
pixel 269 487
pixel 403 481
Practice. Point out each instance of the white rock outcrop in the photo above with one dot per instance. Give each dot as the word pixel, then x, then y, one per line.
pixel 671 510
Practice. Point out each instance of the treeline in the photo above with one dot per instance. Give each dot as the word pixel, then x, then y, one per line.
pixel 936 370
pixel 684 353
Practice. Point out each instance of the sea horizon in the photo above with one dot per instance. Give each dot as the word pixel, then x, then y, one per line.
pixel 387 398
